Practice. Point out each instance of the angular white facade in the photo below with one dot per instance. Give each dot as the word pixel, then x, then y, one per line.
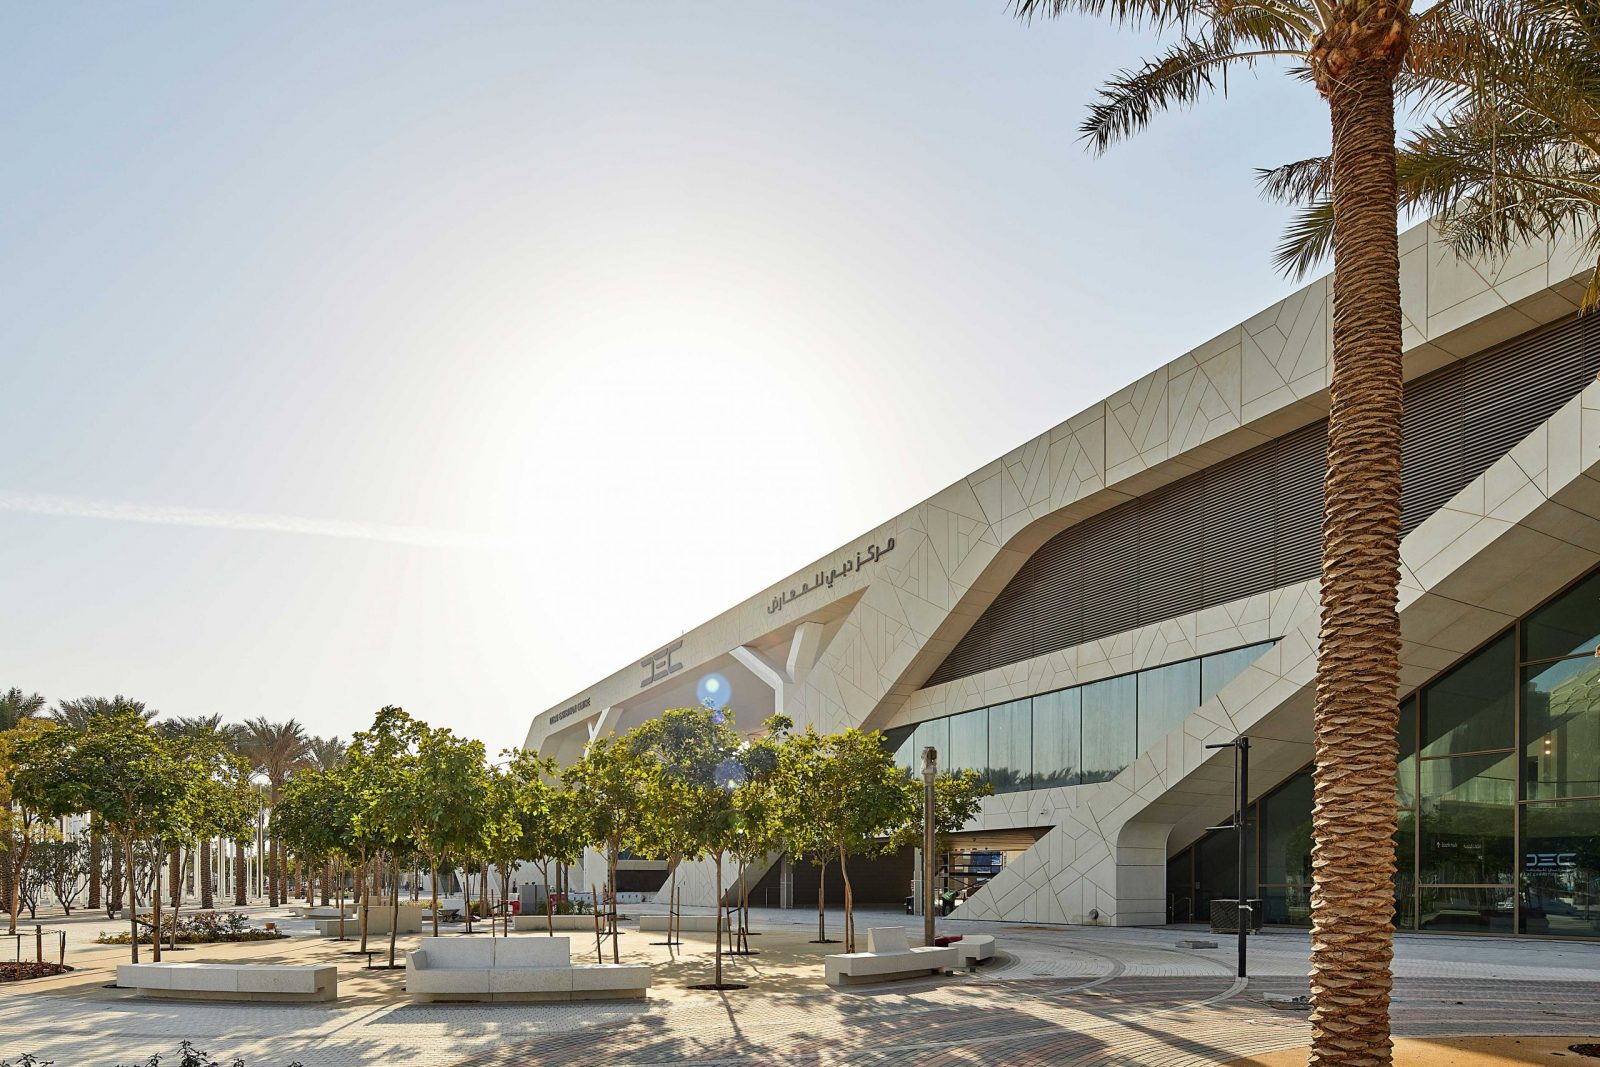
pixel 853 639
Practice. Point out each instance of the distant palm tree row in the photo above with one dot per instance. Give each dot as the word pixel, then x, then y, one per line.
pixel 275 750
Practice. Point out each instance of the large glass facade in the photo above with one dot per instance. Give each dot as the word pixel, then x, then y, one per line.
pixel 1076 736
pixel 1498 791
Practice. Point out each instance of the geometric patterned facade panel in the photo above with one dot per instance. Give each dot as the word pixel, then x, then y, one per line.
pixel 1253 522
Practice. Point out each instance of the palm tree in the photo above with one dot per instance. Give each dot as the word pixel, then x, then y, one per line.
pixel 15 706
pixel 1352 51
pixel 276 749
pixel 1515 153
pixel 78 715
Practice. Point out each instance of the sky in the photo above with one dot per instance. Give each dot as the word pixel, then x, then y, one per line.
pixel 456 355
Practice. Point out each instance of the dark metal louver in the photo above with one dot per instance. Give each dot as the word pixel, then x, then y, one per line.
pixel 1253 522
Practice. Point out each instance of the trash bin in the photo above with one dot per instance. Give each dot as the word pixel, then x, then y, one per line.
pixel 1225 916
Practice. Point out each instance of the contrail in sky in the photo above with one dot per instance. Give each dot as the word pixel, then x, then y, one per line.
pixel 169 515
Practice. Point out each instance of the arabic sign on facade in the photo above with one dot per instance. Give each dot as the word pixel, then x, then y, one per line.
pixel 660 664
pixel 826 578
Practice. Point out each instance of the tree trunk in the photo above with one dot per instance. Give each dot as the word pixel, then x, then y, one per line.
pixel 207 880
pixel 175 875
pixel 18 871
pixel 822 885
pixel 177 899
pixel 361 897
pixel 341 903
pixel 849 907
pixel 155 906
pixel 133 896
pixel 241 875
pixel 96 860
pixel 327 882
pixel 435 869
pixel 717 920
pixel 1358 661
pixel 394 911
pixel 115 895
pixel 611 892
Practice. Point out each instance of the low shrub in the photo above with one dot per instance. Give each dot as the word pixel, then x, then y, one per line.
pixel 23 970
pixel 199 928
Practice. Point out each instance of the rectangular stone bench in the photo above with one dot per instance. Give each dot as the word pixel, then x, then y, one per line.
pixel 534 922
pixel 224 981
pixel 687 924
pixel 377 922
pixel 516 969
pixel 888 958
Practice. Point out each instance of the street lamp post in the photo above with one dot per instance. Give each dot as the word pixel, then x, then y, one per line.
pixel 930 770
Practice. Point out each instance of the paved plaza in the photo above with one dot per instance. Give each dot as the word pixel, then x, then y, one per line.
pixel 1054 995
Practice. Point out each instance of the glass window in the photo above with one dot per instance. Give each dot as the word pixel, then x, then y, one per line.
pixel 1180 887
pixel 1057 725
pixel 1286 905
pixel 935 732
pixel 1465 910
pixel 1470 709
pixel 1167 696
pixel 1110 717
pixel 1405 870
pixel 969 742
pixel 1286 834
pixel 1560 883
pixel 1216 872
pixel 1406 771
pixel 1220 668
pixel 1568 625
pixel 1467 820
pixel 1011 746
pixel 1561 729
pixel 901 741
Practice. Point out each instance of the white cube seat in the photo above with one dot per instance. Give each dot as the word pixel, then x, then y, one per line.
pixel 514 968
pixel 223 981
pixel 973 949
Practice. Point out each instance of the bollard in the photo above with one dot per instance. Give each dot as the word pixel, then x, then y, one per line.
pixel 38 944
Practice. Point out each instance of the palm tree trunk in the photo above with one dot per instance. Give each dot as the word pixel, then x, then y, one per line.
pixel 434 868
pixel 1358 663
pixel 175 875
pixel 241 875
pixel 207 880
pixel 394 913
pixel 155 906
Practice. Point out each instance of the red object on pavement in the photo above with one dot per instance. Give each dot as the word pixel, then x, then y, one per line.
pixel 946 939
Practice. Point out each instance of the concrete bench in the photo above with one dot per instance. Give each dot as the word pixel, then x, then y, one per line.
pixel 516 969
pixel 888 958
pixel 534 922
pixel 223 981
pixel 973 949
pixel 687 924
pixel 377 922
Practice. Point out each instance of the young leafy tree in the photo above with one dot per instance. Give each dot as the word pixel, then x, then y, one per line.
pixel 854 798
pixel 26 805
pixel 447 807
pixel 957 798
pixel 383 762
pixel 119 769
pixel 550 824
pixel 799 776
pixel 315 817
pixel 758 811
pixel 608 784
pixel 691 761
pixel 78 713
pixel 215 801
pixel 1352 51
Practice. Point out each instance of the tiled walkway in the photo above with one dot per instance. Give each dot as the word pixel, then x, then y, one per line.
pixel 1055 996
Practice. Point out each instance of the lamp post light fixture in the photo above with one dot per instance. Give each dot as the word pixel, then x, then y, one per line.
pixel 930 771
